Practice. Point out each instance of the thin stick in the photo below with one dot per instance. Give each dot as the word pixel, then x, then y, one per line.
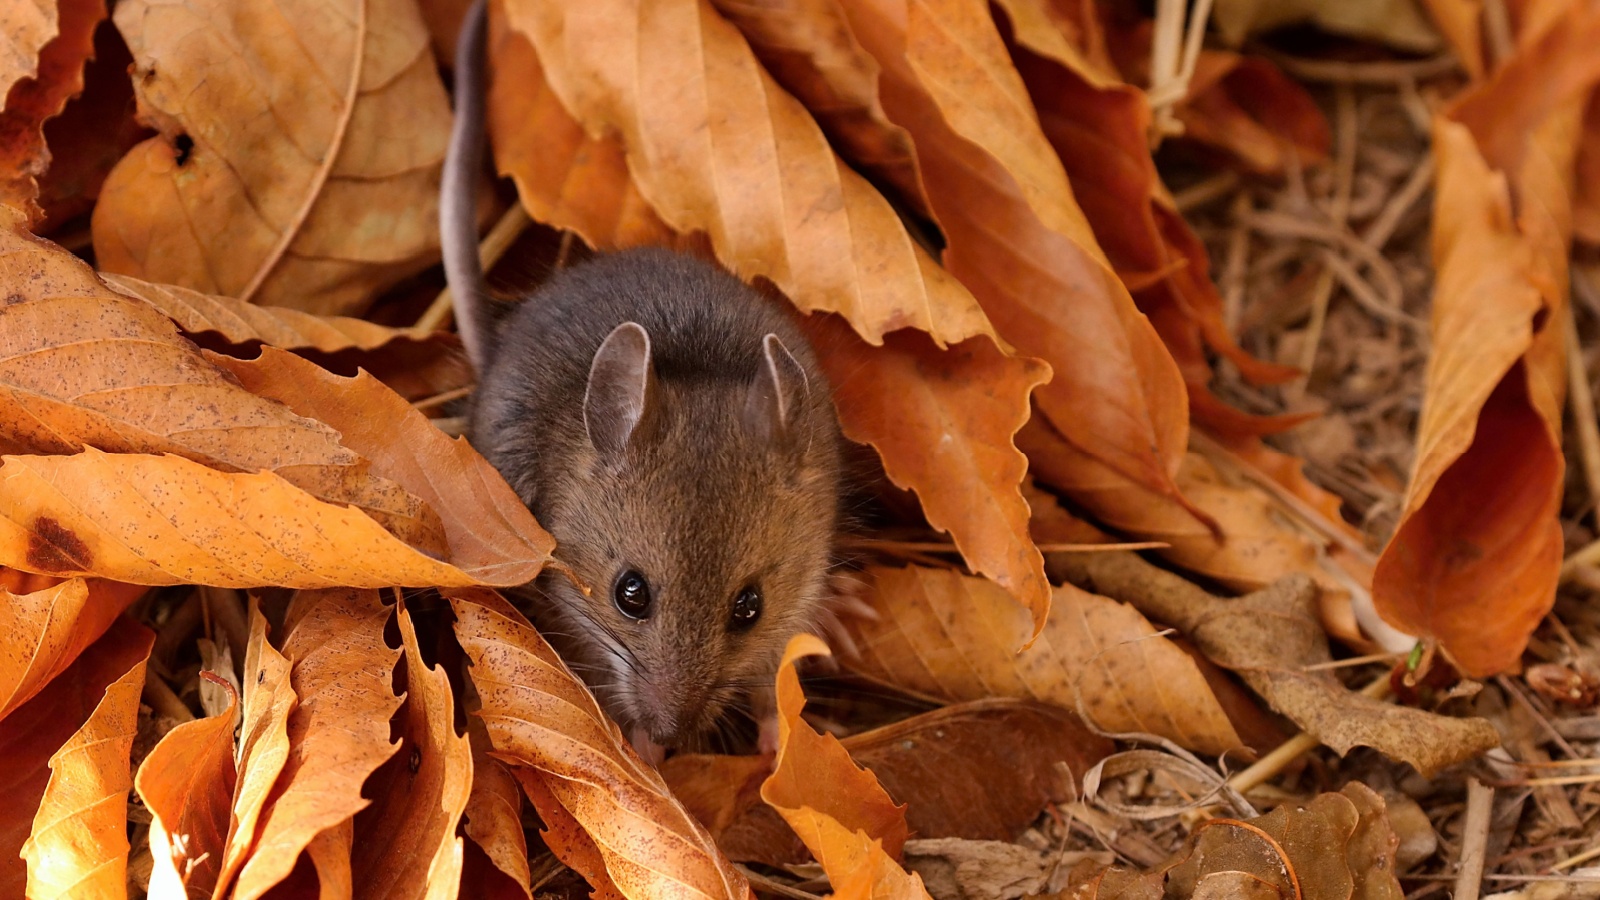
pixel 441 399
pixel 1237 266
pixel 1353 661
pixel 1583 557
pixel 1205 192
pixel 1497 31
pixel 1382 227
pixel 1332 72
pixel 943 547
pixel 1474 839
pixel 494 246
pixel 161 698
pixel 1580 399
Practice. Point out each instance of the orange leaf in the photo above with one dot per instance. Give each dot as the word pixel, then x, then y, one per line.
pixel 79 844
pixel 269 700
pixel 1017 238
pixel 339 734
pixel 837 808
pixel 717 147
pixel 540 716
pixel 489 529
pixel 48 628
pixel 948 636
pixel 1586 205
pixel 942 421
pixel 41 92
pixel 37 730
pixel 299 154
pixel 565 177
pixel 493 817
pixel 165 520
pixel 407 838
pixel 1476 557
pixel 83 365
pixel 187 782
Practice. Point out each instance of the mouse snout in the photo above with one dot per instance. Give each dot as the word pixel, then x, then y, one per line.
pixel 670 712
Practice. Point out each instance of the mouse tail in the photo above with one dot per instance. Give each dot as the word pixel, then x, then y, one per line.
pixel 458 195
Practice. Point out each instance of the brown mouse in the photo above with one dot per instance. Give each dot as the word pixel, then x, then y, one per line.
pixel 669 425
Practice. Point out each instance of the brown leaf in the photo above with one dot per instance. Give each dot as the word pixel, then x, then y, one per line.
pixel 953 637
pixel 338 735
pixel 1017 238
pixel 1246 108
pixel 83 365
pixel 1586 203
pixel 979 771
pixel 493 816
pixel 1099 128
pixel 717 147
pixel 299 154
pixel 564 176
pixel 415 365
pixel 1270 638
pixel 34 732
pixel 837 808
pixel 79 843
pixel 93 131
pixel 187 783
pixel 1475 559
pixel 807 47
pixel 47 82
pixel 269 701
pixel 25 31
pixel 406 840
pixel 589 786
pixel 165 520
pixel 489 529
pixel 47 629
pixel 1335 847
pixel 942 421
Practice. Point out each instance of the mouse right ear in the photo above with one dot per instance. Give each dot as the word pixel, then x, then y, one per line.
pixel 622 389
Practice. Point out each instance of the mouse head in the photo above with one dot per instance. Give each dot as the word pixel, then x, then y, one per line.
pixel 703 525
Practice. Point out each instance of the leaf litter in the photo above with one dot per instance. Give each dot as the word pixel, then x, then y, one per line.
pixel 1140 311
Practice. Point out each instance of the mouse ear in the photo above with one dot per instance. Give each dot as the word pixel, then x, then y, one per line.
pixel 621 390
pixel 777 393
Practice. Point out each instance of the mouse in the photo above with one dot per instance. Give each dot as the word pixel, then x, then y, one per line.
pixel 671 428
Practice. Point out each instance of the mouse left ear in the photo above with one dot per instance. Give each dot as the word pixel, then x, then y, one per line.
pixel 777 394
pixel 621 391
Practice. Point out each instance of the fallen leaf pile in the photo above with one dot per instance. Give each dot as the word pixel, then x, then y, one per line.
pixel 252 637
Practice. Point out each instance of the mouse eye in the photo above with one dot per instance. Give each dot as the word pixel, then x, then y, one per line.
pixel 746 608
pixel 632 594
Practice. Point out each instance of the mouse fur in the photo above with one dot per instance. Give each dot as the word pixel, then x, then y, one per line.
pixel 657 415
pixel 705 499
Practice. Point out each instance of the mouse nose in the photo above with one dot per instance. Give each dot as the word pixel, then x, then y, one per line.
pixel 669 712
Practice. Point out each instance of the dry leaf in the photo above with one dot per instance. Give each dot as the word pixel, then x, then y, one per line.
pixel 1017 237
pixel 406 840
pixel 590 786
pixel 807 47
pixel 837 808
pixel 48 81
pixel 165 520
pixel 1336 847
pixel 34 732
pixel 976 771
pixel 942 422
pixel 489 529
pixel 493 816
pixel 79 843
pixel 25 30
pixel 269 700
pixel 1270 638
pixel 949 636
pixel 187 783
pixel 716 146
pixel 83 365
pixel 48 628
pixel 1586 204
pixel 565 177
pixel 1245 107
pixel 93 131
pixel 299 156
pixel 1460 23
pixel 339 733
pixel 1475 559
